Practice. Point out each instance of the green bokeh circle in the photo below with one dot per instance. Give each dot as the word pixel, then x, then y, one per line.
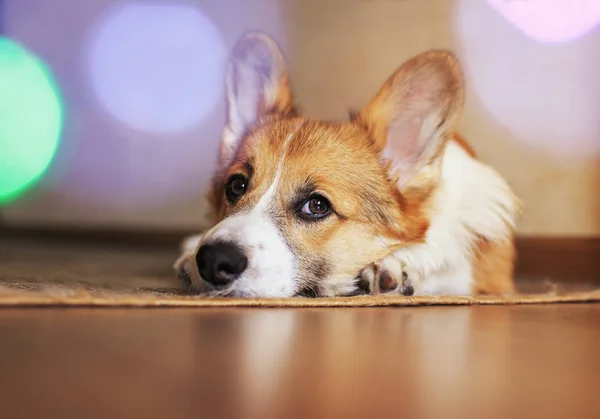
pixel 31 119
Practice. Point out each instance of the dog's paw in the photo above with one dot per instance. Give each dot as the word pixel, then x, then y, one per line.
pixel 183 270
pixel 387 276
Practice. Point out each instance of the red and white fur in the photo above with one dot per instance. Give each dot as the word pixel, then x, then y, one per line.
pixel 321 208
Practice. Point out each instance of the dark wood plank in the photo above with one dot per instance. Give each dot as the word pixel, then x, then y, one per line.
pixel 467 362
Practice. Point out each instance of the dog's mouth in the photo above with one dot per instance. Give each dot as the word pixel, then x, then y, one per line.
pixel 205 289
pixel 185 278
pixel 308 292
pixel 361 287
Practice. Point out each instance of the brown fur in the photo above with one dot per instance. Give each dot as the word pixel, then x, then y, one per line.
pixel 493 262
pixel 493 267
pixel 460 140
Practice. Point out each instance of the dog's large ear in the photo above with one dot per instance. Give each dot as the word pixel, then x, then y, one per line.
pixel 412 115
pixel 257 85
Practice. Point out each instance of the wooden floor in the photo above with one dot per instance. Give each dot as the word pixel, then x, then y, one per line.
pixel 422 362
pixel 430 362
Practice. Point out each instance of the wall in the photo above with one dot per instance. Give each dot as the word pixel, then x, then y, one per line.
pixel 532 104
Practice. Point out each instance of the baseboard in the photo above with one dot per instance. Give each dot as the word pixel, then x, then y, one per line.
pixel 564 258
pixel 559 258
pixel 146 237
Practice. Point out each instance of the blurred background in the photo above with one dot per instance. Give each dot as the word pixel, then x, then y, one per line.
pixel 111 110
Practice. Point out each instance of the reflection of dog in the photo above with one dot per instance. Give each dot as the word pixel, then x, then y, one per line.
pixel 314 208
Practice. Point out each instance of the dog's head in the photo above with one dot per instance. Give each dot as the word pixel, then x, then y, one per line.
pixel 301 206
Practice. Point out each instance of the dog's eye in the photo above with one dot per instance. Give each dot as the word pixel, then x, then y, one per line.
pixel 236 187
pixel 316 207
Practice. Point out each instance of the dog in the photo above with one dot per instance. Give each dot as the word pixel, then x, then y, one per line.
pixel 391 201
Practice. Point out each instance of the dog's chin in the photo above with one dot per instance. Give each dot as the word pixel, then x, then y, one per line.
pixel 209 291
pixel 194 285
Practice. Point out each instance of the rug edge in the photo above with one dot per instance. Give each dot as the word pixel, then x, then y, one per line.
pixel 79 298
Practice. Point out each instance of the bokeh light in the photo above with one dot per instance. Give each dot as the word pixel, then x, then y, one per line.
pixel 546 95
pixel 151 111
pixel 30 119
pixel 551 21
pixel 156 66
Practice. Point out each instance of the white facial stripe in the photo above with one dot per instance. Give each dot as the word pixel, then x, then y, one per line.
pixel 271 270
pixel 264 200
pixel 271 267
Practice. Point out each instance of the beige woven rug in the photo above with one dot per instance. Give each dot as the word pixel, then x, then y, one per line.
pixel 63 296
pixel 37 274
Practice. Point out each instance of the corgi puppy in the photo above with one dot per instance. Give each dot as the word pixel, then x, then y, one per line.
pixel 391 201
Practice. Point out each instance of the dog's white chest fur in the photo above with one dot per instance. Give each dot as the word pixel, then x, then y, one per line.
pixel 473 202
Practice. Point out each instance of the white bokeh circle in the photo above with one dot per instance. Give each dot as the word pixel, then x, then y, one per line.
pixel 553 21
pixel 156 66
pixel 547 95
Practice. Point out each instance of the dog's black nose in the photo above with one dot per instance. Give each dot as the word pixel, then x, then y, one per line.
pixel 220 263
